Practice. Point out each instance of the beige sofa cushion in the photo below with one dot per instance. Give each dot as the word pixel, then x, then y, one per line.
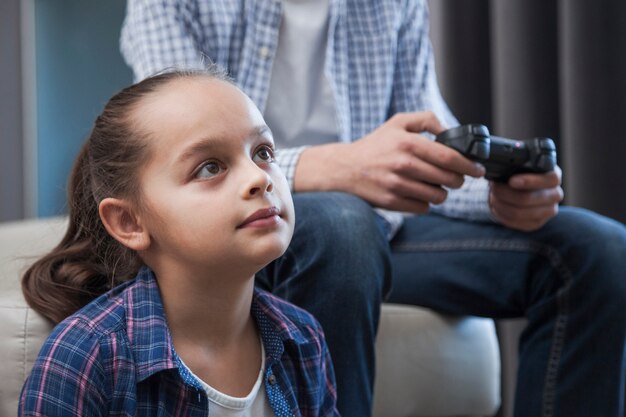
pixel 23 330
pixel 432 365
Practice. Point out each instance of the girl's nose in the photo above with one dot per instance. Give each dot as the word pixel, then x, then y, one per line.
pixel 258 182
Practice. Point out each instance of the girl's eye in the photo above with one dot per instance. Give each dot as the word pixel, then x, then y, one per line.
pixel 264 154
pixel 208 170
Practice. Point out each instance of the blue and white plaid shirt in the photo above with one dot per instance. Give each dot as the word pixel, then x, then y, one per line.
pixel 379 61
pixel 115 357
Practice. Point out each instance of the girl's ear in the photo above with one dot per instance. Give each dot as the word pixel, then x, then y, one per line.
pixel 123 224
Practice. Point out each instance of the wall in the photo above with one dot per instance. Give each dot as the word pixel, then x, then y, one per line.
pixel 78 68
pixel 11 179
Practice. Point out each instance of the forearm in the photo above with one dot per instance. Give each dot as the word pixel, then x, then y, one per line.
pixel 322 168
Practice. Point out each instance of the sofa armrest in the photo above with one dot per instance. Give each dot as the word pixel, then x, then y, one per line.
pixel 23 330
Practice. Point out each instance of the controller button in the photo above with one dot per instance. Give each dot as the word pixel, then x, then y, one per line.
pixel 479 130
pixel 480 149
pixel 546 162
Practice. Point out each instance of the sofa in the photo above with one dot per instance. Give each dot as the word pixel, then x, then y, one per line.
pixel 428 365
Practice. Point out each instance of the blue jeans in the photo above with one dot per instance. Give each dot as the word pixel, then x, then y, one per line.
pixel 568 279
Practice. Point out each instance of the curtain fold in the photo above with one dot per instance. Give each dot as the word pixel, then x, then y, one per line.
pixel 593 103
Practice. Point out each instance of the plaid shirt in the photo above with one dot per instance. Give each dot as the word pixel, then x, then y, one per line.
pixel 115 357
pixel 379 61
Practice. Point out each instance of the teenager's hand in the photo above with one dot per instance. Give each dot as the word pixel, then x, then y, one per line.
pixel 394 167
pixel 527 201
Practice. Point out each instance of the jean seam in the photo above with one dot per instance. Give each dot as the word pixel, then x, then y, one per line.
pixel 562 296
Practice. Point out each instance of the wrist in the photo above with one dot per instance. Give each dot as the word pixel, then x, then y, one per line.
pixel 322 168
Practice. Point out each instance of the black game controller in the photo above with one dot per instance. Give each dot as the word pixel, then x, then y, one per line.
pixel 501 157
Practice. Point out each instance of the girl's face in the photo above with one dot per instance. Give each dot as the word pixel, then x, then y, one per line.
pixel 212 193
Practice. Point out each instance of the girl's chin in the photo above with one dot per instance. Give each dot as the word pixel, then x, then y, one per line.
pixel 271 253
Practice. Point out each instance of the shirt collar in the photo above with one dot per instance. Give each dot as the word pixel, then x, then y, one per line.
pixel 151 340
pixel 276 328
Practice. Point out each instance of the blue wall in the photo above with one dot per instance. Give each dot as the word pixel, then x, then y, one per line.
pixel 78 68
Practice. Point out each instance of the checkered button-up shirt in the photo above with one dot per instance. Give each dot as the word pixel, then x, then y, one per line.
pixel 115 357
pixel 379 61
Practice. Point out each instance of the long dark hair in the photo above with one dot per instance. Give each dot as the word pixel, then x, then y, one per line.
pixel 88 261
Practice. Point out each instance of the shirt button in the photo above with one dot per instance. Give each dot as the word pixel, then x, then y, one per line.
pixel 264 52
pixel 271 379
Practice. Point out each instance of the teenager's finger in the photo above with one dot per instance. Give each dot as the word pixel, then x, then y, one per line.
pixel 416 169
pixel 523 198
pixel 550 179
pixel 446 158
pixel 418 122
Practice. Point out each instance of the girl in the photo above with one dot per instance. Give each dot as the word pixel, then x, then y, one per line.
pixel 176 202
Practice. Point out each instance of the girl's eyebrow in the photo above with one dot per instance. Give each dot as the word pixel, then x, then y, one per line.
pixel 215 142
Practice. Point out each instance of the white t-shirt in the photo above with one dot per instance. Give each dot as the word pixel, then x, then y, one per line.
pixel 255 404
pixel 300 107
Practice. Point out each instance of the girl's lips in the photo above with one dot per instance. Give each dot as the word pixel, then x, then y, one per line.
pixel 262 218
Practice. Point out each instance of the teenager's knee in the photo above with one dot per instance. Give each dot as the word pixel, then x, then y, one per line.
pixel 339 219
pixel 345 232
pixel 592 233
pixel 597 246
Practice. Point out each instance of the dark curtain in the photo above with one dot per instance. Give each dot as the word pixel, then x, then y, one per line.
pixel 549 68
pixel 544 68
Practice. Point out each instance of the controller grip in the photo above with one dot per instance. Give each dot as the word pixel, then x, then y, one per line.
pixel 543 153
pixel 472 140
